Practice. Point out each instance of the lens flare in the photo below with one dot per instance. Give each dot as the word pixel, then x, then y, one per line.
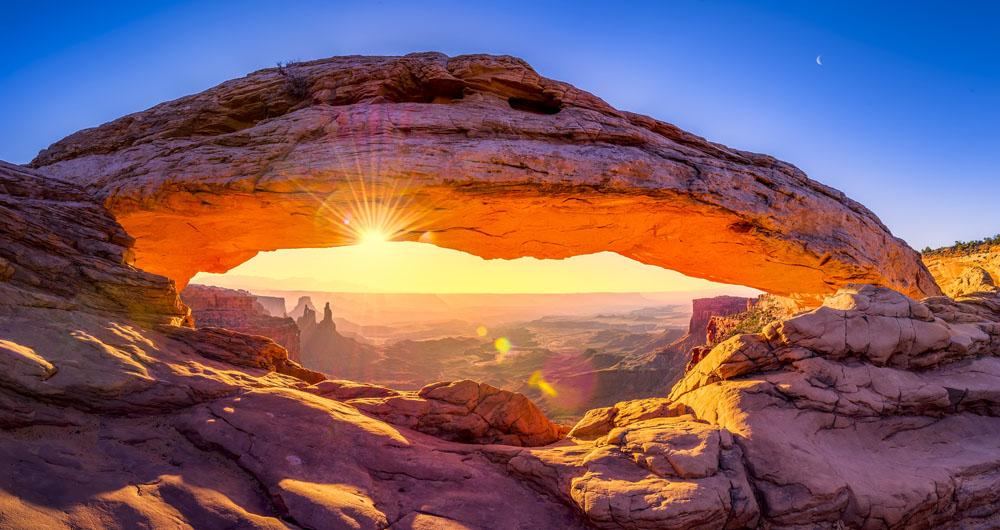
pixel 502 345
pixel 536 380
pixel 482 331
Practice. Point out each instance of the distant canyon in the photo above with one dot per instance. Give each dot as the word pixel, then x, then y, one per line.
pixel 569 353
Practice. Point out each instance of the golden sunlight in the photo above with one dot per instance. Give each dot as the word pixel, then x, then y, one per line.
pixel 373 236
pixel 379 265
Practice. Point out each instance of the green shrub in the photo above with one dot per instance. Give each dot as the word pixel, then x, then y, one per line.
pixel 965 246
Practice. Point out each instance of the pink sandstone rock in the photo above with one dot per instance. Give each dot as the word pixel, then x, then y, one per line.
pixel 451 147
pixel 463 411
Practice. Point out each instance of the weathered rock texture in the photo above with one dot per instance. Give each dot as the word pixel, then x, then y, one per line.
pixel 477 153
pixel 669 357
pixel 240 311
pixel 874 410
pixel 961 273
pixel 703 310
pixel 59 251
pixel 760 312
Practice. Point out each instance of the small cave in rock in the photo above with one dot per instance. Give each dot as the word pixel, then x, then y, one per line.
pixel 571 335
pixel 424 91
pixel 537 106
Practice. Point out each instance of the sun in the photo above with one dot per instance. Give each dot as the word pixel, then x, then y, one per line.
pixel 373 236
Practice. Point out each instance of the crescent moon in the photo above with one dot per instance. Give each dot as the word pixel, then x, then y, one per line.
pixel 819 60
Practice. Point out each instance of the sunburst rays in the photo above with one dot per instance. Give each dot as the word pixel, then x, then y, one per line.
pixel 377 201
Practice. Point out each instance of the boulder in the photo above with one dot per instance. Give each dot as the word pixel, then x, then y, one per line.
pixel 463 411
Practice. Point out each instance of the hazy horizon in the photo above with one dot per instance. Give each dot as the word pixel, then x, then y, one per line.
pixel 474 309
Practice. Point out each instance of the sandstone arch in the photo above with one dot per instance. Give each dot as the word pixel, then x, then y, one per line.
pixel 477 153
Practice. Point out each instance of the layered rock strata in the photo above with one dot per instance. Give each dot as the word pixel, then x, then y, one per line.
pixel 274 305
pixel 703 310
pixel 113 416
pixel 874 410
pixel 60 252
pixel 670 357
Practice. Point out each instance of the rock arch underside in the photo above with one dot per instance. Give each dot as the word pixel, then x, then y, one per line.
pixel 879 408
pixel 476 153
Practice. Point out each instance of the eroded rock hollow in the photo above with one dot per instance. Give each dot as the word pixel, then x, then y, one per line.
pixel 477 153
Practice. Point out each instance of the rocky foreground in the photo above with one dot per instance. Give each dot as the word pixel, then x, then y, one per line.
pixel 871 411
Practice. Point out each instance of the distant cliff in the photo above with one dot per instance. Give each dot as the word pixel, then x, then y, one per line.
pixel 240 311
pixel 702 312
pixel 274 305
pixel 304 303
pixel 669 352
pixel 966 268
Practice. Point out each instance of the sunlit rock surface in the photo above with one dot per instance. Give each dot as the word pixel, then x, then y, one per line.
pixel 59 251
pixel 875 410
pixel 673 355
pixel 477 153
pixel 961 272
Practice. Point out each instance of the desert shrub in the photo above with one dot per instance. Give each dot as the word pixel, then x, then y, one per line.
pixel 296 82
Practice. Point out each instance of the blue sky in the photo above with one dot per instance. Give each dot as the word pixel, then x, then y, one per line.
pixel 903 116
